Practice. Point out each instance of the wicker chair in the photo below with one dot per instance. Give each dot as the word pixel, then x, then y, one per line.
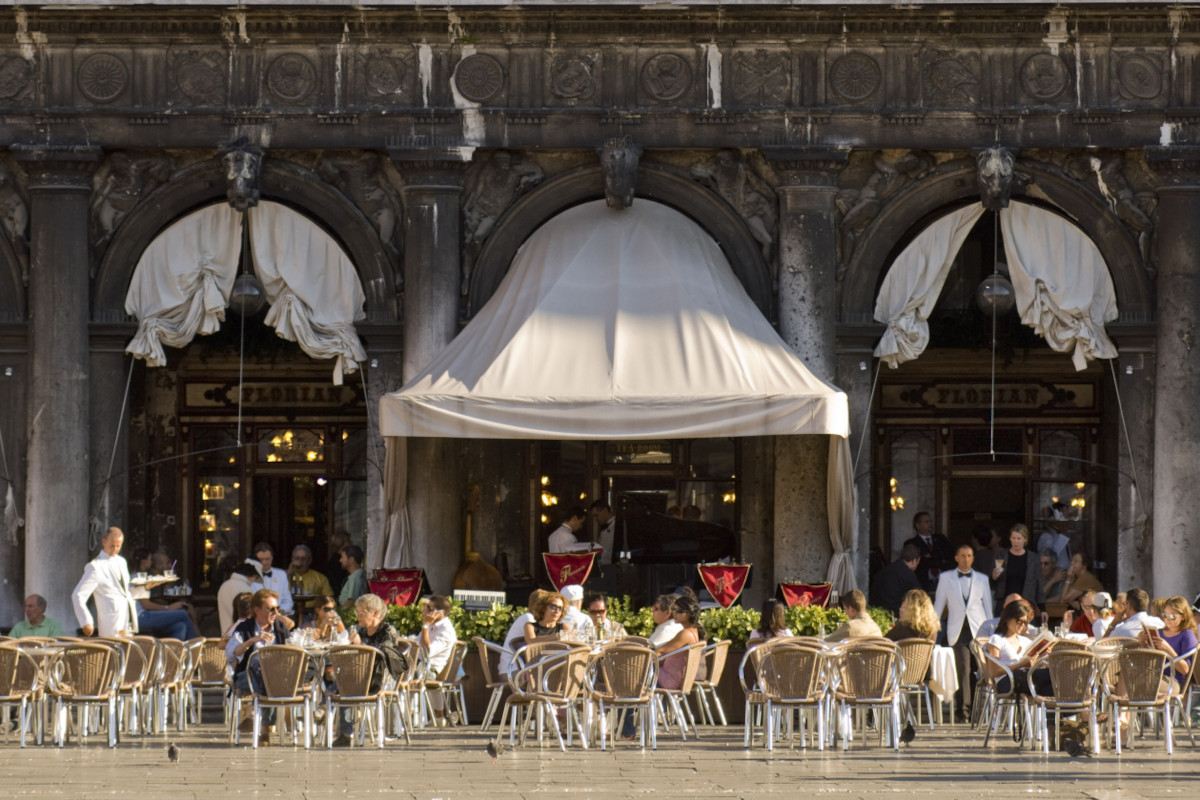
pixel 448 683
pixel 282 668
pixel 626 685
pixel 20 684
pixel 210 674
pixel 917 655
pixel 677 698
pixel 133 683
pixel 546 684
pixel 494 682
pixel 398 691
pixel 715 655
pixel 997 701
pixel 640 641
pixel 868 676
pixel 791 677
pixel 353 666
pixel 1188 689
pixel 151 651
pixel 1073 676
pixel 755 700
pixel 1134 681
pixel 173 689
pixel 85 676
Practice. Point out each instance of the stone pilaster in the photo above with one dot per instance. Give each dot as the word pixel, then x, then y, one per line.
pixel 57 488
pixel 383 370
pixel 807 311
pixel 432 195
pixel 109 428
pixel 1176 537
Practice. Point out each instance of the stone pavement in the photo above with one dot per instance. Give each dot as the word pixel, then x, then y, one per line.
pixel 950 763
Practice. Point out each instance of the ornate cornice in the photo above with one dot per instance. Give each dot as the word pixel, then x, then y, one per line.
pixel 810 168
pixel 1178 168
pixel 58 168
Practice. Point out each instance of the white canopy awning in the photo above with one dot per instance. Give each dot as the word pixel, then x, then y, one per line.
pixel 617 325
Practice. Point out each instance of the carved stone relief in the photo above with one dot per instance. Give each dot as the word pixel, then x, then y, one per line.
pixel 761 78
pixel 1139 77
pixel 859 206
pixel 119 185
pixel 572 77
pixel 243 173
pixel 751 197
pixel 491 187
pixel 291 78
pixel 479 77
pixel 1107 174
pixel 14 215
pixel 666 77
pixel 854 77
pixel 17 78
pixel 994 173
pixel 197 77
pixel 383 76
pixel 949 78
pixel 102 77
pixel 363 179
pixel 1045 77
pixel 619 163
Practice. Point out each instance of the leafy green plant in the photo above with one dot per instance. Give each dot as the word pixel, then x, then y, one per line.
pixel 883 618
pixel 813 620
pixel 734 623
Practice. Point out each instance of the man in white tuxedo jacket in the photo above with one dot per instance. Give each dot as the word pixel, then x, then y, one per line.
pixel 966 596
pixel 106 577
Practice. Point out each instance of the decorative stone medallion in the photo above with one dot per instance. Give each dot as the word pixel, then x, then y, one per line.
pixel 761 77
pixel 666 77
pixel 199 76
pixel 479 77
pixel 854 76
pixel 1044 76
pixel 291 77
pixel 16 78
pixel 950 79
pixel 102 77
pixel 383 75
pixel 1139 77
pixel 572 78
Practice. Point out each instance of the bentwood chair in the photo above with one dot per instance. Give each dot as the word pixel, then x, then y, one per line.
pixel 677 698
pixel 917 655
pixel 449 684
pixel 547 684
pixel 868 676
pixel 1003 701
pixel 282 668
pixel 495 683
pixel 1136 682
pixel 210 674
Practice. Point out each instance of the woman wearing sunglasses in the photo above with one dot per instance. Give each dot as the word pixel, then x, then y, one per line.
pixel 326 624
pixel 547 618
pixel 1176 638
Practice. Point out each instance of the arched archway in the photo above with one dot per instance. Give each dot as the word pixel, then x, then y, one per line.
pixel 286 183
pixel 706 208
pixel 954 182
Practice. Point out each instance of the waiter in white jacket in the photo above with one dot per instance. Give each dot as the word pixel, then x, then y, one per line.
pixel 106 577
pixel 965 594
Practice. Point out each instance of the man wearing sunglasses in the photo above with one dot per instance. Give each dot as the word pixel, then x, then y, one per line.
pixel 265 626
pixel 597 609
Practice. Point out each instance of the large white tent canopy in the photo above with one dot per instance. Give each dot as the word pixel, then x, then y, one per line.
pixel 617 325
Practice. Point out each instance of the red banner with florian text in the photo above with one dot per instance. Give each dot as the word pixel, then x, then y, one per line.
pixel 806 594
pixel 724 581
pixel 567 568
pixel 402 592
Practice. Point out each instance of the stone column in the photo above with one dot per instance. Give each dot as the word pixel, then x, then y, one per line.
pixel 432 194
pixel 385 353
pixel 57 486
pixel 109 446
pixel 1176 537
pixel 807 312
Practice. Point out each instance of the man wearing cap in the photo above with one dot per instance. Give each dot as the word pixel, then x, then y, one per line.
pixel 573 616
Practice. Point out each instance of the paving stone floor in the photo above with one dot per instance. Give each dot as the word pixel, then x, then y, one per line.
pixel 950 763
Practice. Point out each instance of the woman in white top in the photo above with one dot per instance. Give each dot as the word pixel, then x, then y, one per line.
pixel 437 638
pixel 1006 646
pixel 772 623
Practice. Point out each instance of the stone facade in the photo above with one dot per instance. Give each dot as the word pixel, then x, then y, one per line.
pixel 807 140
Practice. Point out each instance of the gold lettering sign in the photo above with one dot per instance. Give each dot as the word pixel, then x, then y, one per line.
pixel 200 395
pixel 1011 396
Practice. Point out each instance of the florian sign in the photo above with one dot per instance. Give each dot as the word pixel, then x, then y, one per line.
pixel 1024 397
pixel 314 396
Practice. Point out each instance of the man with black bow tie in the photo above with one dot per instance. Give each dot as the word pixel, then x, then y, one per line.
pixel 274 579
pixel 935 550
pixel 965 595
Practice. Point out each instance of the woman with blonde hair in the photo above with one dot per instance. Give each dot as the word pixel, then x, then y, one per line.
pixel 1022 569
pixel 1176 638
pixel 547 617
pixel 917 620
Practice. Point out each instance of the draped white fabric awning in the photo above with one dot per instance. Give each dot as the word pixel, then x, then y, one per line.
pixel 1063 287
pixel 181 284
pixel 617 325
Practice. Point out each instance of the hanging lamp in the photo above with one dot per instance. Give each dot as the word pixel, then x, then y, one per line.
pixel 247 296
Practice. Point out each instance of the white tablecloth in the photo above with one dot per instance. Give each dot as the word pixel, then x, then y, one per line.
pixel 943 674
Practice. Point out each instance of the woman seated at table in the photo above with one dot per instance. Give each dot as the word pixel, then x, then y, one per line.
pixel 241 612
pixel 1008 643
pixel 547 618
pixel 687 614
pixel 917 618
pixel 772 624
pixel 1176 638
pixel 372 629
pixel 326 624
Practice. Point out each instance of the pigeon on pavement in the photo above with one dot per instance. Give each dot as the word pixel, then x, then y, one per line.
pixel 173 753
pixel 908 734
pixel 1075 749
pixel 493 751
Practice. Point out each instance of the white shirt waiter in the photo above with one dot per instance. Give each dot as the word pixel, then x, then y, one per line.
pixel 106 578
